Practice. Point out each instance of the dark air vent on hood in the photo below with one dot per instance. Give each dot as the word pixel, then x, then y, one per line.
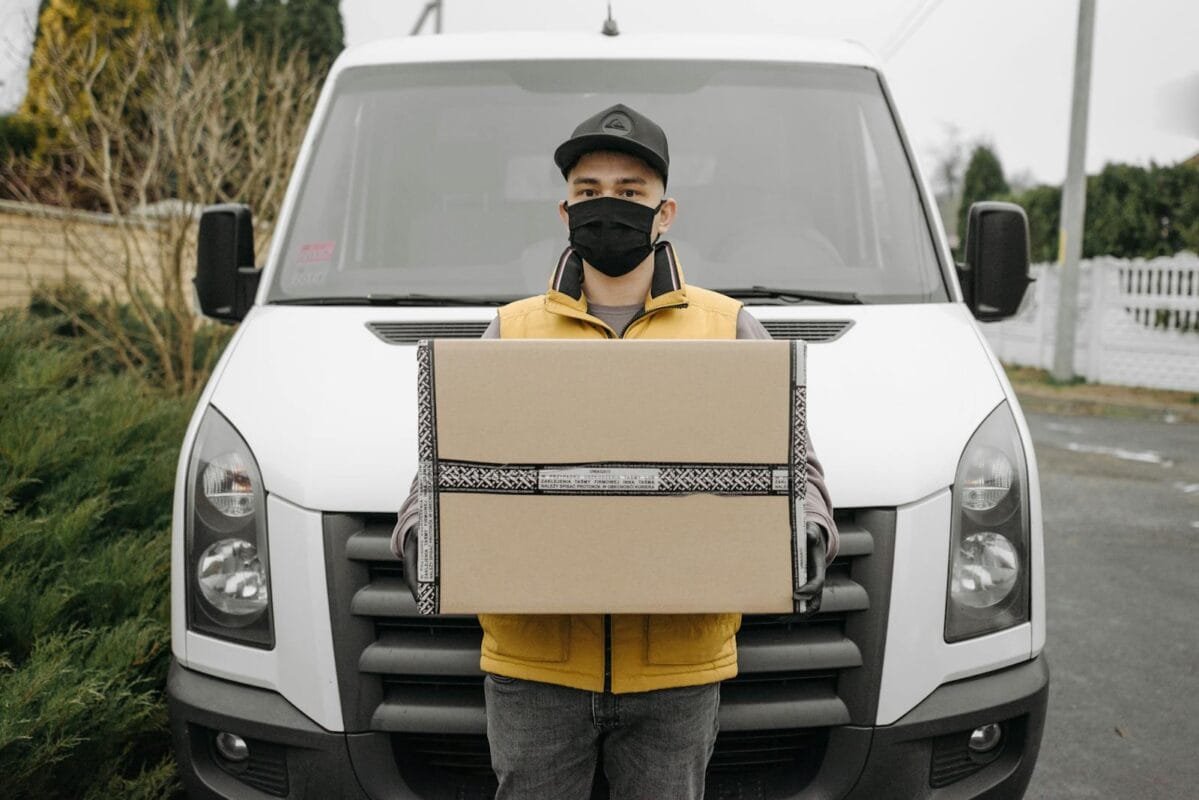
pixel 413 332
pixel 809 330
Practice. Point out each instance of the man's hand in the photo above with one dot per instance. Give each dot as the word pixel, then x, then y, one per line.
pixel 410 561
pixel 817 550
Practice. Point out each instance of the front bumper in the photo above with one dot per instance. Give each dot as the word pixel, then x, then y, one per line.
pixel 291 756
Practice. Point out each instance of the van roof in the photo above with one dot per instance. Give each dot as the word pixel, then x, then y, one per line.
pixel 508 46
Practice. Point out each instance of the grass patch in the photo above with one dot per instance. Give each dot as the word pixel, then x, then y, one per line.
pixel 87 467
pixel 1038 391
pixel 1033 375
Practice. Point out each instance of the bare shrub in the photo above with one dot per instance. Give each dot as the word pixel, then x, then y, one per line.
pixel 169 123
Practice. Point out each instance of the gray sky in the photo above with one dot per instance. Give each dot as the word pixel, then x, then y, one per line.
pixel 997 70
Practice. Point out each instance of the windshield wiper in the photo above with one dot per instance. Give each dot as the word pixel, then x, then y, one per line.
pixel 795 295
pixel 397 300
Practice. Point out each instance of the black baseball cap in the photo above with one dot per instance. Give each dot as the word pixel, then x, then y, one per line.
pixel 618 128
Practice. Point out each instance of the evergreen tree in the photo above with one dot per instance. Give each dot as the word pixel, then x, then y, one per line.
pixel 1183 183
pixel 315 27
pixel 1043 205
pixel 983 181
pixel 1132 212
pixel 1122 213
pixel 81 29
pixel 1142 211
pixel 261 22
pixel 214 19
pixel 18 136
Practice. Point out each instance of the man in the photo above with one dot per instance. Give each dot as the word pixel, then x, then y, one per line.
pixel 642 689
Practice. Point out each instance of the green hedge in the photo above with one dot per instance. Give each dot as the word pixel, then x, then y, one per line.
pixel 87 467
pixel 1132 212
pixel 18 136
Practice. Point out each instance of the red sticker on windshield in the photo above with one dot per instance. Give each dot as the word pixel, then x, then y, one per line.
pixel 316 252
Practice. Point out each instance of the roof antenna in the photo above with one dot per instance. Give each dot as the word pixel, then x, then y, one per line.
pixel 610 28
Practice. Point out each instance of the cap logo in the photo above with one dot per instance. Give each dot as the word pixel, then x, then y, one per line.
pixel 617 123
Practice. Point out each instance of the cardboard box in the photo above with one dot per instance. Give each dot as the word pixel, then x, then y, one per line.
pixel 589 476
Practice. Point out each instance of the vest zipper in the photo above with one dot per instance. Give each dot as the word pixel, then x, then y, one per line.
pixel 610 334
pixel 642 314
pixel 608 617
pixel 607 652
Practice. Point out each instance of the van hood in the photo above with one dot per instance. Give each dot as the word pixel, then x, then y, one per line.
pixel 329 409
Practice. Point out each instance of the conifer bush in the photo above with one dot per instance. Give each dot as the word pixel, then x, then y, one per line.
pixel 87 467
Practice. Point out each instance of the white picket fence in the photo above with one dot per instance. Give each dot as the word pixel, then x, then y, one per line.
pixel 1137 323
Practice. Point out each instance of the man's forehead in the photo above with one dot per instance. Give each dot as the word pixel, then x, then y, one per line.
pixel 609 165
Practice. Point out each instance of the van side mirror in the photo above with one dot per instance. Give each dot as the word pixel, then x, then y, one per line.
pixel 226 279
pixel 995 274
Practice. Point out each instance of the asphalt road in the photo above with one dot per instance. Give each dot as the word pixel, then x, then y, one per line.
pixel 1121 503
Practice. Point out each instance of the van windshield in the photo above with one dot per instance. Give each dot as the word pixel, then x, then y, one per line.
pixel 437 181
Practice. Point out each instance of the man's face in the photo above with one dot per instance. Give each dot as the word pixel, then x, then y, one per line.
pixel 606 173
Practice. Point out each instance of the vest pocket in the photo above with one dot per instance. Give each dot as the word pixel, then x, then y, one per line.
pixel 683 639
pixel 527 637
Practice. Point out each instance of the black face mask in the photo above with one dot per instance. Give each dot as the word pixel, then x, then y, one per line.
pixel 611 234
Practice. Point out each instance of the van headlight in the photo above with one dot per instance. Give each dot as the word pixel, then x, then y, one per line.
pixel 989 545
pixel 228 581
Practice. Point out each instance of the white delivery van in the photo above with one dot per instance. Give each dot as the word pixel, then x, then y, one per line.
pixel 424 196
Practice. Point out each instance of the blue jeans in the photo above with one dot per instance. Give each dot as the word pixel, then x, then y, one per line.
pixel 545 740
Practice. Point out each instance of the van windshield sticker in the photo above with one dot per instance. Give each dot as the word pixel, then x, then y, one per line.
pixel 316 252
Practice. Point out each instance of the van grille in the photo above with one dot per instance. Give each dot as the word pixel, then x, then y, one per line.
pixel 736 752
pixel 743 765
pixel 812 330
pixel 417 679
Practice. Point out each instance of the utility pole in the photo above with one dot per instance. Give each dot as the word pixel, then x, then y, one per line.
pixel 1074 199
pixel 432 7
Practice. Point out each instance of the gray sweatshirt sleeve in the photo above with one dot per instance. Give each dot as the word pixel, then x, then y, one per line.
pixel 406 523
pixel 818 507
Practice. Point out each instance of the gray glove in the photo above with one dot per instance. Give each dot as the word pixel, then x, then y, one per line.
pixel 410 562
pixel 814 588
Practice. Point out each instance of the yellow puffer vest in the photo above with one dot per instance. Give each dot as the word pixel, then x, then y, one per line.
pixel 618 652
